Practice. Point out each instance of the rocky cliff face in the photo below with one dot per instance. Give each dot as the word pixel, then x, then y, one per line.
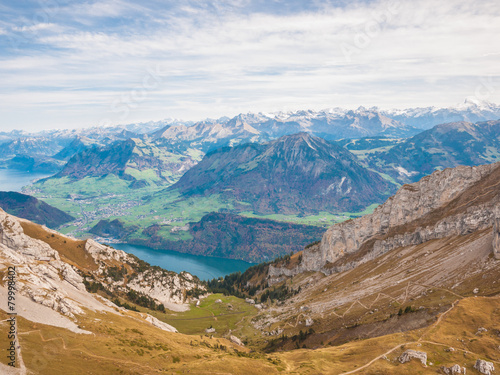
pixel 42 276
pixel 450 202
pixel 166 287
pixel 58 277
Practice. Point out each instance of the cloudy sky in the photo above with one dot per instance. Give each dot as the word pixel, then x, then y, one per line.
pixel 83 63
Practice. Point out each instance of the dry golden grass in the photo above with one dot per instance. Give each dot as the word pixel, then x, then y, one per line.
pixel 124 344
pixel 457 329
pixel 365 302
pixel 70 250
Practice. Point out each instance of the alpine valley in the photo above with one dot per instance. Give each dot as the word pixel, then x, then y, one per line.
pixel 375 233
pixel 159 180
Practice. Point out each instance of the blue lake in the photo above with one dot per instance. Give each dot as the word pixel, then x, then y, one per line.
pixel 205 268
pixel 14 180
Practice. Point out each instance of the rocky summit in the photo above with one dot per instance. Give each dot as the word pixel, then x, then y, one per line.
pixel 442 204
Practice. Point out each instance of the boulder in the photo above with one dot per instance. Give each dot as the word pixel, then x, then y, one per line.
pixel 484 367
pixel 409 354
pixel 454 370
pixel 159 324
pixel 236 340
pixel 481 330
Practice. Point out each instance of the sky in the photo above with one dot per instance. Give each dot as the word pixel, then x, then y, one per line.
pixel 69 64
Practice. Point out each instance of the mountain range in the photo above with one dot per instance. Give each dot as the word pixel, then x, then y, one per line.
pixel 411 288
pixel 139 161
pixel 443 146
pixel 297 178
pixel 269 166
pixel 295 174
pixel 331 124
pixel 471 110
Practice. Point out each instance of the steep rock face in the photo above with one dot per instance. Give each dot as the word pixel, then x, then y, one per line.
pixel 165 287
pixel 450 202
pixel 12 236
pixel 39 269
pixel 410 203
pixel 58 278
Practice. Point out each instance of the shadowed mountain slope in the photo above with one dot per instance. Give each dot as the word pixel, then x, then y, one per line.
pixel 443 146
pixel 30 208
pixel 293 174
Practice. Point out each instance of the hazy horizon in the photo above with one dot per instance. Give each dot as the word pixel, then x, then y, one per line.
pixel 189 122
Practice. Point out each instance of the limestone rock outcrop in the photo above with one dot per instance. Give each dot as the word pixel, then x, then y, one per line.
pixel 41 275
pixel 484 367
pixel 236 340
pixel 45 278
pixel 410 354
pixel 159 324
pixel 410 203
pixel 168 288
pixel 417 213
pixel 454 370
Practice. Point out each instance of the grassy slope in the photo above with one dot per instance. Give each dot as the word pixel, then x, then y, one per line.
pixel 71 251
pixel 124 345
pixel 231 314
pixel 455 328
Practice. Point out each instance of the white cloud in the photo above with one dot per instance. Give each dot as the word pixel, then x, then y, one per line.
pixel 35 27
pixel 220 61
